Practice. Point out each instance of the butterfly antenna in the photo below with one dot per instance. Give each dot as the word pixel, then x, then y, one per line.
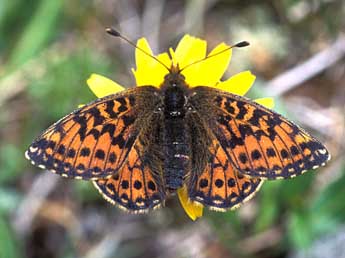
pixel 238 45
pixel 117 34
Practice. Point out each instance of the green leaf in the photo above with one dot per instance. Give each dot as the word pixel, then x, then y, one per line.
pixel 294 192
pixel 37 32
pixel 330 202
pixel 328 209
pixel 9 247
pixel 300 230
pixel 269 205
pixel 9 200
pixel 10 162
pixel 321 216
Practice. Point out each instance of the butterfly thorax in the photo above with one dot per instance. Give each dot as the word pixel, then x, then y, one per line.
pixel 174 103
pixel 175 135
pixel 174 90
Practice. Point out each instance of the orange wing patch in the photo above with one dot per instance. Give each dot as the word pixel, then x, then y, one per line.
pixel 220 186
pixel 134 187
pixel 269 145
pixel 94 141
pixel 258 141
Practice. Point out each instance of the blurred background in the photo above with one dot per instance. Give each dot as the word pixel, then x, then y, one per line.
pixel 49 48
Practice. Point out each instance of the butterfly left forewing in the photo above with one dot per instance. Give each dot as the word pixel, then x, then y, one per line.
pixel 94 141
pixel 257 141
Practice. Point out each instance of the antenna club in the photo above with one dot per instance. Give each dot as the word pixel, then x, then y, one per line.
pixel 116 33
pixel 113 32
pixel 242 44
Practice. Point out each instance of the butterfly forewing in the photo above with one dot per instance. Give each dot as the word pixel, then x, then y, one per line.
pixel 94 141
pixel 257 141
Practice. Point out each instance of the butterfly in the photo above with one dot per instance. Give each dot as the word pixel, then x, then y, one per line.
pixel 141 145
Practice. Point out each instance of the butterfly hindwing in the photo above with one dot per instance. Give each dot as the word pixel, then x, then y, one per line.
pixel 220 186
pixel 258 141
pixel 135 187
pixel 94 141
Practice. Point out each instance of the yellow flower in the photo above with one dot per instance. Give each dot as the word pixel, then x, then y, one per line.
pixel 206 73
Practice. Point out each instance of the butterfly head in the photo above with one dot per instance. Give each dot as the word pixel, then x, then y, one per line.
pixel 174 77
pixel 174 92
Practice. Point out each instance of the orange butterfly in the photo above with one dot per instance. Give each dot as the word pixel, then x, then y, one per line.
pixel 142 144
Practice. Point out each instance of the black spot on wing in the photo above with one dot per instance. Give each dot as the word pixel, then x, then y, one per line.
pixel 110 109
pixel 85 152
pixel 98 119
pixel 242 110
pixel 100 154
pixel 108 128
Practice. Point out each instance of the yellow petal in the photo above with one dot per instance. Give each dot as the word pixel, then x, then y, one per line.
pixel 189 50
pixel 210 71
pixel 81 105
pixel 149 71
pixel 141 59
pixel 193 211
pixel 102 86
pixel 266 102
pixel 238 84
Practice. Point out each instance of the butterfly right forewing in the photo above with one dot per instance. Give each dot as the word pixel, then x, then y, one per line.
pixel 257 141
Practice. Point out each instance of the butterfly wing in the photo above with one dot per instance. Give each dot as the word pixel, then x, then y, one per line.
pixel 136 187
pixel 257 141
pixel 220 186
pixel 214 181
pixel 93 142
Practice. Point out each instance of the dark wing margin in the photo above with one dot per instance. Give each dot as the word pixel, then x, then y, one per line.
pixel 257 141
pixel 93 142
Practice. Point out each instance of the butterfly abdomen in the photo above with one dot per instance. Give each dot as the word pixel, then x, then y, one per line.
pixel 176 140
pixel 176 150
